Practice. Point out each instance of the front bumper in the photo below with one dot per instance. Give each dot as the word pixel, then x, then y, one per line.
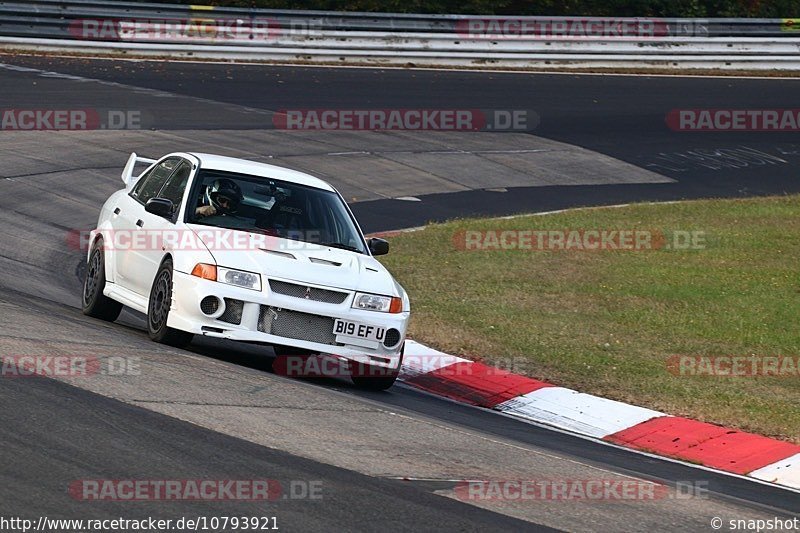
pixel 283 320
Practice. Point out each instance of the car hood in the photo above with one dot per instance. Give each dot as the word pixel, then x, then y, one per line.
pixel 273 257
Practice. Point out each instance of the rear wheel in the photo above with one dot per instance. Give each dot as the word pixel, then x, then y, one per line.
pixel 158 310
pixel 95 303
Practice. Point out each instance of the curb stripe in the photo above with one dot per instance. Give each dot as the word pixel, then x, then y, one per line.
pixel 475 384
pixel 575 411
pixel 707 444
pixel 638 428
pixel 786 472
pixel 420 359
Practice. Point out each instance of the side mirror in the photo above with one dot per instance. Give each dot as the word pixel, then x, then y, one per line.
pixel 378 246
pixel 160 207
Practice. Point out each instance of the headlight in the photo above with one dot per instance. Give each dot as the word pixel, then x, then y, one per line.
pixel 239 278
pixel 376 302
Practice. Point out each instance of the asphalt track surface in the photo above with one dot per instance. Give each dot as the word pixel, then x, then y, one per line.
pixel 621 116
pixel 182 418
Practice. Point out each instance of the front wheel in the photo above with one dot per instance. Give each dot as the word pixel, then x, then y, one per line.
pixel 95 303
pixel 373 382
pixel 375 378
pixel 158 310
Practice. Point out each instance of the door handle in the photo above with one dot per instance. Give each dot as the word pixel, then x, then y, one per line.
pixel 116 211
pixel 140 223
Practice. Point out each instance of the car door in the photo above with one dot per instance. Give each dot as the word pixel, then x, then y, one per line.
pixel 162 233
pixel 135 239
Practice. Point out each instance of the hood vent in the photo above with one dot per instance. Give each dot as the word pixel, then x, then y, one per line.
pixel 324 261
pixel 287 255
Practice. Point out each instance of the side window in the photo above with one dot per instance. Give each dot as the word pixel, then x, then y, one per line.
pixel 137 189
pixel 176 185
pixel 149 185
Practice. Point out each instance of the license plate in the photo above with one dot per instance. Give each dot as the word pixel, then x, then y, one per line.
pixel 357 330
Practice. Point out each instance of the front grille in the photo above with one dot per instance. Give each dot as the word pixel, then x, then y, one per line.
pixel 233 311
pixel 307 293
pixel 296 325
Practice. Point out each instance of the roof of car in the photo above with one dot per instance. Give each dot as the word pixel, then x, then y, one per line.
pixel 243 166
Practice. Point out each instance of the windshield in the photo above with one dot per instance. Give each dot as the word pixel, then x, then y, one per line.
pixel 273 207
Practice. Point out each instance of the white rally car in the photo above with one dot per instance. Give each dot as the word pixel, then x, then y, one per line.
pixel 228 248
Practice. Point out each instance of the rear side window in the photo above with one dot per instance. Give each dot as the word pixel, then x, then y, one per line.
pixel 150 184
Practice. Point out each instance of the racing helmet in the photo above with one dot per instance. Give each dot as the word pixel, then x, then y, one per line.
pixel 224 195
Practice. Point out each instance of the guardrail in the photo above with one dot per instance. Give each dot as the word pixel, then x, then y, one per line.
pixel 182 31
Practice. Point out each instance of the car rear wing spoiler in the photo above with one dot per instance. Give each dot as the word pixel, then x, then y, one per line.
pixel 127 173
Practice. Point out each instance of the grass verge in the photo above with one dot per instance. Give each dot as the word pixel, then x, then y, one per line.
pixel 612 322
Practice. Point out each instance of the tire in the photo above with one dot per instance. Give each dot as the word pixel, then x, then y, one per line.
pixel 94 303
pixel 158 310
pixel 374 378
pixel 290 350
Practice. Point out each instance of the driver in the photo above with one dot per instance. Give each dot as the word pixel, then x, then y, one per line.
pixel 222 197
